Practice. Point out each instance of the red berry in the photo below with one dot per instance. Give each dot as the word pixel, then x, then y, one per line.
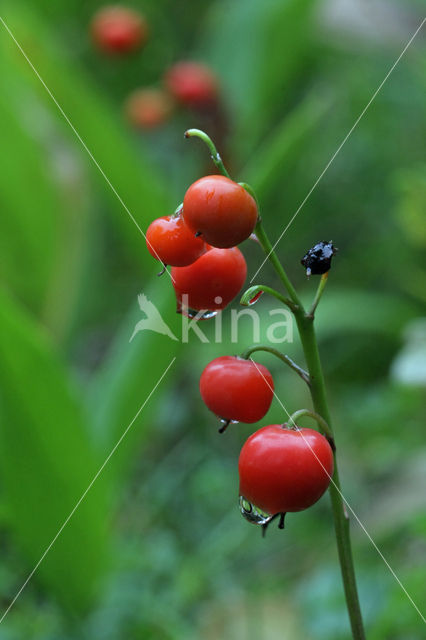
pixel 117 29
pixel 221 210
pixel 283 469
pixel 237 389
pixel 148 108
pixel 192 84
pixel 212 281
pixel 168 239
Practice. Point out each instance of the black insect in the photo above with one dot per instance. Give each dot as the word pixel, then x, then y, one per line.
pixel 318 259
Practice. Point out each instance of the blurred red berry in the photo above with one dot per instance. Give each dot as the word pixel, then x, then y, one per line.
pixel 168 239
pixel 212 281
pixel 237 389
pixel 192 84
pixel 221 210
pixel 282 469
pixel 148 108
pixel 118 30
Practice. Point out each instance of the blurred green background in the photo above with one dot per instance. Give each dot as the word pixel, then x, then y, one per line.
pixel 158 549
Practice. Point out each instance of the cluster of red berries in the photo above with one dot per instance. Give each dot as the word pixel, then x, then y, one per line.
pixel 282 468
pixel 118 30
pixel 199 243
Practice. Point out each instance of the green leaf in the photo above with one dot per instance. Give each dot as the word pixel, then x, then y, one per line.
pixel 29 225
pixel 259 49
pixel 282 148
pixel 129 374
pixel 410 185
pixel 52 211
pixel 356 311
pixel 47 462
pixel 123 170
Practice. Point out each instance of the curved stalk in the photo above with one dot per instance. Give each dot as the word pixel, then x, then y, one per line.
pixel 288 361
pixel 252 292
pixel 197 133
pixel 300 413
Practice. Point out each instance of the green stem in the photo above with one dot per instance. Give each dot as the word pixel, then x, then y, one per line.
pixel 252 292
pixel 300 413
pixel 341 521
pixel 272 257
pixel 305 324
pixel 288 361
pixel 197 133
pixel 320 290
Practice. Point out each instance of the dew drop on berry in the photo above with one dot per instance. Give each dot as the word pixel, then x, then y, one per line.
pixel 253 514
pixel 202 315
pixel 255 298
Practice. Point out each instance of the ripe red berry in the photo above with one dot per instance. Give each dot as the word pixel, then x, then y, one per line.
pixel 221 210
pixel 168 239
pixel 212 281
pixel 237 389
pixel 283 469
pixel 148 108
pixel 192 84
pixel 116 29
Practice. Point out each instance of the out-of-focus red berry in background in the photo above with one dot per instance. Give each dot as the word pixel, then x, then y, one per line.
pixel 148 108
pixel 119 30
pixel 192 84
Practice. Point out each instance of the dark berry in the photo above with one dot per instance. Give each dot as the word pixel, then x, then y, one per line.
pixel 318 259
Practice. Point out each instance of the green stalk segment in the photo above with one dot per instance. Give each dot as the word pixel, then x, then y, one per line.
pixel 305 325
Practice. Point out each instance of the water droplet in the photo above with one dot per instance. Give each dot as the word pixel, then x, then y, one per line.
pixel 252 513
pixel 255 298
pixel 225 424
pixel 202 315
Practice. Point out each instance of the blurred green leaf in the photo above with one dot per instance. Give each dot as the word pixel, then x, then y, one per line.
pixel 283 146
pixel 132 185
pixel 129 374
pixel 273 44
pixel 53 210
pixel 29 225
pixel 356 311
pixel 410 211
pixel 46 463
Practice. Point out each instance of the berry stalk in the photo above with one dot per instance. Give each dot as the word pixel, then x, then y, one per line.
pixel 306 329
pixel 288 361
pixel 273 259
pixel 305 324
pixel 217 160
